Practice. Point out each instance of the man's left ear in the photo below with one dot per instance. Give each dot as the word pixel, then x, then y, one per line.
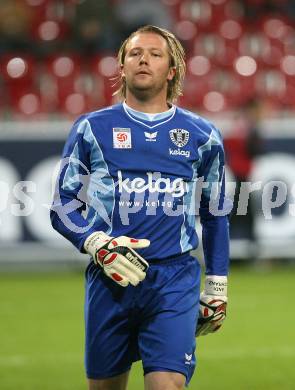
pixel 171 74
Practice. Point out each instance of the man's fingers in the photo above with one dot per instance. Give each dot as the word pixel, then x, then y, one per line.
pixel 121 262
pixel 124 269
pixel 130 271
pixel 118 278
pixel 205 329
pixel 129 242
pixel 141 243
pixel 137 243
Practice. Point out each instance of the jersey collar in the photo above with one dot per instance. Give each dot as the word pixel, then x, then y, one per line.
pixel 149 117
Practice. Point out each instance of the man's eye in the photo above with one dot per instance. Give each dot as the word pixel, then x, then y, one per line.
pixel 134 53
pixel 156 55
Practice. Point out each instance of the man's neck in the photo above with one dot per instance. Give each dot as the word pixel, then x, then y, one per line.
pixel 150 106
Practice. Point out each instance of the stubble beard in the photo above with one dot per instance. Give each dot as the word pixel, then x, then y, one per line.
pixel 145 93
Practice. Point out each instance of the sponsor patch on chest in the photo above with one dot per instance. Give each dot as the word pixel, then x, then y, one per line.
pixel 122 138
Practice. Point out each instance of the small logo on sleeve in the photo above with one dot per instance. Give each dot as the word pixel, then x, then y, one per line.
pixel 122 138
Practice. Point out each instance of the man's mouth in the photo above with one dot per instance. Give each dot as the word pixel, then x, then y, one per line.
pixel 143 72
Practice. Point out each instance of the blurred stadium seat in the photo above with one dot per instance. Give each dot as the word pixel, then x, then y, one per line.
pixel 49 30
pixel 62 73
pixel 104 69
pixel 18 73
pixel 227 53
pixel 29 106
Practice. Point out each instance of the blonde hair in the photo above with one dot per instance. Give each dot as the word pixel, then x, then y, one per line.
pixel 177 61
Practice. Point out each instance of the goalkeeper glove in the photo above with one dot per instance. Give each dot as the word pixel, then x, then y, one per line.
pixel 213 302
pixel 117 258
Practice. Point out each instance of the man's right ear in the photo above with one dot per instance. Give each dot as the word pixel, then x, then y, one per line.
pixel 122 73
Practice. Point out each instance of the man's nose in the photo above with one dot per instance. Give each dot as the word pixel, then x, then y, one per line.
pixel 143 59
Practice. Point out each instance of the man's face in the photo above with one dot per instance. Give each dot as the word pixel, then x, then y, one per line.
pixel 146 66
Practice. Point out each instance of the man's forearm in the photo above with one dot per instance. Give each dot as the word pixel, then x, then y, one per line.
pixel 215 240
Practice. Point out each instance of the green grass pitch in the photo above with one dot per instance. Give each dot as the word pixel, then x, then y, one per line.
pixel 41 334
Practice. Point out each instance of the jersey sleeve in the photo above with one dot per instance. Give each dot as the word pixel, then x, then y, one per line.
pixel 70 195
pixel 214 207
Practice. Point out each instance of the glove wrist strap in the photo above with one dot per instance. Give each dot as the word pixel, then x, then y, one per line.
pixel 216 285
pixel 95 241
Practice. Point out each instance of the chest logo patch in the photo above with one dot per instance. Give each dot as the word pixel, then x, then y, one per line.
pixel 179 137
pixel 122 138
pixel 151 137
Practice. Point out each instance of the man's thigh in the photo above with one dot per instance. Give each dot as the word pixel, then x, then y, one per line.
pixel 110 346
pixel 167 334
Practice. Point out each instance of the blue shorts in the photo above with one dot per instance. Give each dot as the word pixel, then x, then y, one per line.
pixel 154 322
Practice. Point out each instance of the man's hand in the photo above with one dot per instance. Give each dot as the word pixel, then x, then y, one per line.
pixel 213 302
pixel 117 258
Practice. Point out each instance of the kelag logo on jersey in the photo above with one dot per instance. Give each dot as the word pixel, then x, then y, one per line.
pixel 154 183
pixel 179 152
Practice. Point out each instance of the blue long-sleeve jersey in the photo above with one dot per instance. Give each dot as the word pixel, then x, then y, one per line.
pixel 126 173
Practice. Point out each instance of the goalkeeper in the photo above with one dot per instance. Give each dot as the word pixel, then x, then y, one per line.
pixel 127 194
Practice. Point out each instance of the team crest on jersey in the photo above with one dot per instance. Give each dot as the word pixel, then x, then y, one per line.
pixel 122 138
pixel 179 137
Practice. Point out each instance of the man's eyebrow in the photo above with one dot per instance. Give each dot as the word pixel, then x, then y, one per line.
pixel 141 48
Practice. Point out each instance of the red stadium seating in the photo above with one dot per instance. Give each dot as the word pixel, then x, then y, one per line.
pixel 229 60
pixel 49 30
pixel 104 69
pixel 61 73
pixel 18 73
pixel 29 105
